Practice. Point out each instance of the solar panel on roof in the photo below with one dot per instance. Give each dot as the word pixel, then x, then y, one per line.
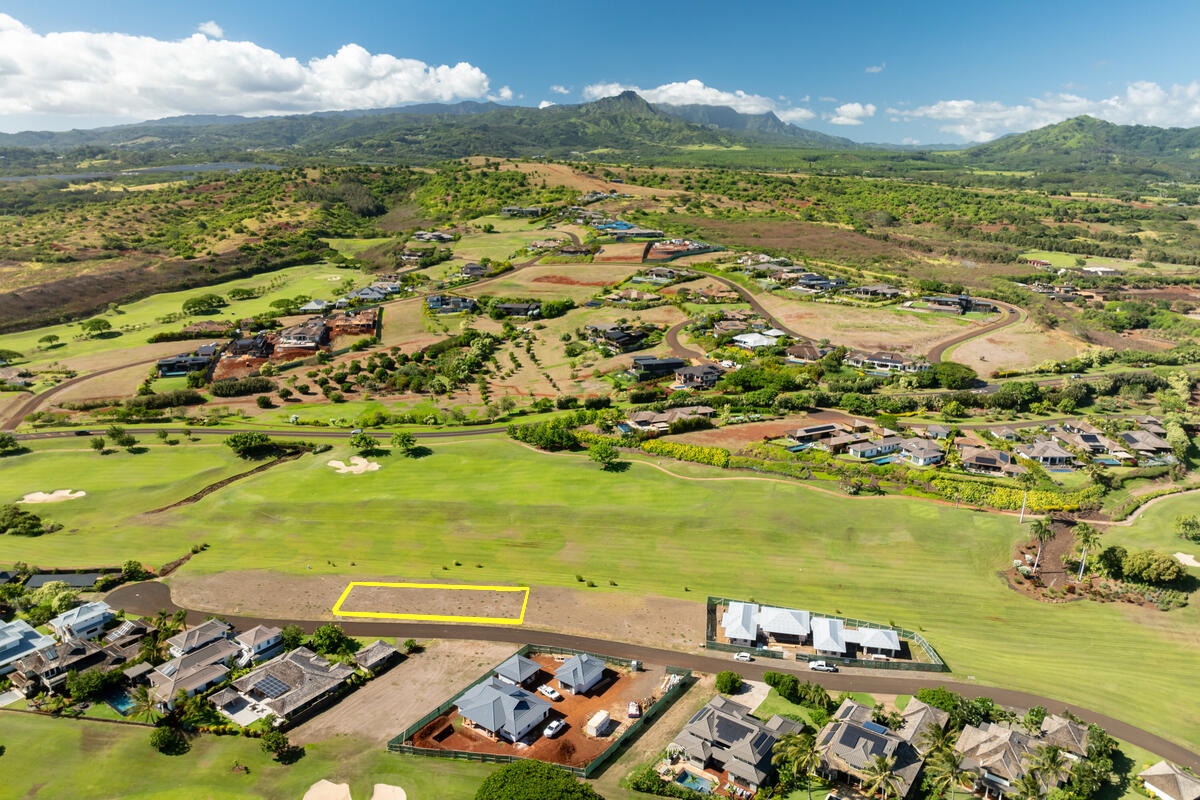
pixel 272 687
pixel 875 727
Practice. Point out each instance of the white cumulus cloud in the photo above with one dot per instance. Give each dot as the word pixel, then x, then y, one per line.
pixel 116 75
pixel 211 30
pixel 547 104
pixel 1142 103
pixel 851 114
pixel 504 94
pixel 695 92
pixel 558 89
pixel 876 68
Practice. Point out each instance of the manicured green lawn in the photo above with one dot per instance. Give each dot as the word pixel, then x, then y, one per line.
pixel 775 704
pixel 539 519
pixel 59 758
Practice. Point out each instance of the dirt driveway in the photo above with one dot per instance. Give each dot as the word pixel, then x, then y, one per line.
pixel 387 705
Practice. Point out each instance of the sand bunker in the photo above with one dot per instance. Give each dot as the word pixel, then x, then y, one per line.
pixel 385 791
pixel 357 466
pixel 1187 560
pixel 326 790
pixel 57 496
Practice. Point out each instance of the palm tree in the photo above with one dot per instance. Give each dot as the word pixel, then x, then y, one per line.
pixel 1048 762
pixel 1027 787
pixel 144 707
pixel 936 739
pixel 879 778
pixel 1086 537
pixel 1026 480
pixel 1042 533
pixel 947 771
pixel 796 755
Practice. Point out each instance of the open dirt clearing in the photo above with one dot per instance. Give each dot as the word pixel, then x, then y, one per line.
pixel 387 705
pixel 1019 346
pixel 562 175
pixel 864 328
pixel 431 602
pixel 652 621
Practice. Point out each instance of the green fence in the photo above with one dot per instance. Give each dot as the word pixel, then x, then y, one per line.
pixel 925 658
pixel 402 743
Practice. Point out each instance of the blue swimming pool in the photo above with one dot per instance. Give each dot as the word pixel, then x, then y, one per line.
pixel 694 782
pixel 885 460
pixel 121 702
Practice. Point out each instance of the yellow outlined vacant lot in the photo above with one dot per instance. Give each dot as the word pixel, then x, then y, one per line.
pixel 433 599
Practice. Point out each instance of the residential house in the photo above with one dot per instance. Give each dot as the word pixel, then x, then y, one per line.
pixel 663 274
pixel 660 421
pixel 1066 734
pixel 503 710
pixel 840 443
pixel 814 433
pixel 47 669
pixel 315 307
pixel 258 643
pixel 82 622
pixel 704 376
pixel 996 754
pixel 254 347
pixel 874 449
pixel 875 291
pixel 632 296
pixel 182 364
pixel 449 304
pixel 580 673
pixel 310 334
pixel 376 656
pixel 724 736
pixel 1147 445
pixel 624 341
pixel 937 432
pixel 1046 452
pixel 194 638
pixel 873 642
pixel 1007 434
pixel 919 718
pixel 17 640
pixel 784 625
pixel 193 672
pixel 921 452
pixel 529 310
pixel 851 742
pixel 1166 781
pixel 885 362
pixel 289 685
pixel 755 341
pixel 1150 424
pixel 647 368
pixel 355 322
pixel 990 462
pixel 517 670
pixel 472 271
pixel 740 623
pixel 523 211
pixel 828 636
pixel 805 353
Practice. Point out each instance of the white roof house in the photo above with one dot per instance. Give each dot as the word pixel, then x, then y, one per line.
pixel 754 341
pixel 82 622
pixel 17 640
pixel 828 635
pixel 874 638
pixel 740 622
pixel 784 621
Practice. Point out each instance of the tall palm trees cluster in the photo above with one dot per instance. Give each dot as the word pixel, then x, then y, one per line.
pixel 944 768
pixel 796 757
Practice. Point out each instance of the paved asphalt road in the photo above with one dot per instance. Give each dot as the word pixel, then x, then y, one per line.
pixel 149 598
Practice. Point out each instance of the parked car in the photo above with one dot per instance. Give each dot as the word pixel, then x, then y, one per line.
pixel 356 431
pixel 554 728
pixel 549 691
pixel 822 666
pixel 743 656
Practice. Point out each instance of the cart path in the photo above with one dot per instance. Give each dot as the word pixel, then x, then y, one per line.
pixel 149 598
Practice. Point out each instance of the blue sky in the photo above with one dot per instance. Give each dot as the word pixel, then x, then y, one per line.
pixel 922 72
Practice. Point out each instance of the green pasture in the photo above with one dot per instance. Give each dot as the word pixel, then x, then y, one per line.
pixel 540 519
pixel 319 281
pixel 93 760
pixel 352 247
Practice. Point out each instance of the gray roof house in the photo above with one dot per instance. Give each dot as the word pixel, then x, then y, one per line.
pixel 724 736
pixel 502 709
pixel 17 640
pixel 192 672
pixel 579 673
pixel 997 755
pixel 291 683
pixel 851 741
pixel 1046 452
pixel 828 635
pixel 195 638
pixel 1168 782
pixel 375 655
pixel 517 669
pixel 82 622
pixel 784 624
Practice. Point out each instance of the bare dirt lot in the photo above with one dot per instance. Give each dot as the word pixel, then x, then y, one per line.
pixel 387 705
pixel 884 328
pixel 574 747
pixel 460 602
pixel 1019 346
pixel 654 621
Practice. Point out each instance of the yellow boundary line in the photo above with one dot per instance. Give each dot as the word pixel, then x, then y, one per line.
pixel 337 608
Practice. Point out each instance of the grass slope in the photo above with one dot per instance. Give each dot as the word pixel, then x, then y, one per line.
pixel 541 519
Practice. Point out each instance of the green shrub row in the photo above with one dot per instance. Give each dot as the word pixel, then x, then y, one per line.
pixel 1011 498
pixel 714 456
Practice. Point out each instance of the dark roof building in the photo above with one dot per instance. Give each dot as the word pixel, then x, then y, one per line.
pixel 723 735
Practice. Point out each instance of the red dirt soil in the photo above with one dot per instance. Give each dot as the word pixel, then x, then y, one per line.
pixel 563 280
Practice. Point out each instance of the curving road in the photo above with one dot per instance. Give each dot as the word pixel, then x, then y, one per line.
pixel 149 598
pixel 1012 315
pixel 36 401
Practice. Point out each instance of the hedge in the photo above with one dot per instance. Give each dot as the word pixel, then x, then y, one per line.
pixel 714 456
pixel 1011 498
